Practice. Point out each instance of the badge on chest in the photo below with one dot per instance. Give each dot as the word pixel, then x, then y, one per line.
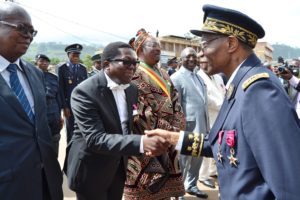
pixel 230 140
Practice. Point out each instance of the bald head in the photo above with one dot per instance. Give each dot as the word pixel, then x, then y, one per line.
pixel 187 51
pixel 9 9
pixel 189 58
pixel 16 31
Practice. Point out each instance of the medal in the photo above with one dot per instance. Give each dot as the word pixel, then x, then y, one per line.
pixel 230 141
pixel 219 155
pixel 70 81
pixel 229 91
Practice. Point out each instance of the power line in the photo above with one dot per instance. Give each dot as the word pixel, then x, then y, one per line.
pixel 79 38
pixel 73 22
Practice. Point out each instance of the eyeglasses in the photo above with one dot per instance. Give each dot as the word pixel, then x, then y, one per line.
pixel 23 29
pixel 152 45
pixel 126 63
pixel 204 44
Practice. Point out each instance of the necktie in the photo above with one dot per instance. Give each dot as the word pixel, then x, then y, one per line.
pixel 19 91
pixel 197 83
pixel 74 68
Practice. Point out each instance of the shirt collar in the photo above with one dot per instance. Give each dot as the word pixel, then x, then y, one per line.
pixel 113 85
pixel 185 70
pixel 233 75
pixel 4 64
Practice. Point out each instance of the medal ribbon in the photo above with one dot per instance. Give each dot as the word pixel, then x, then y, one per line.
pixel 162 83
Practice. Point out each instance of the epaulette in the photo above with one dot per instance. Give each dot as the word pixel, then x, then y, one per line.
pixel 254 78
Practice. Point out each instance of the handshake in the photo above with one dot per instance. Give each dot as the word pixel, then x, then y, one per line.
pixel 157 142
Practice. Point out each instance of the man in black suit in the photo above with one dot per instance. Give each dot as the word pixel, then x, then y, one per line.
pixel 29 168
pixel 104 107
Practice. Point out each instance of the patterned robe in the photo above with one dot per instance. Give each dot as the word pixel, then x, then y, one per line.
pixel 155 110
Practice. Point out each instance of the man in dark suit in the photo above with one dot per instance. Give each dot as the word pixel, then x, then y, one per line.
pixel 255 138
pixel 29 168
pixel 104 106
pixel 70 74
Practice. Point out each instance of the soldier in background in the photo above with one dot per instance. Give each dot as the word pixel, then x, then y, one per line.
pixel 70 74
pixel 53 99
pixel 172 65
pixel 96 64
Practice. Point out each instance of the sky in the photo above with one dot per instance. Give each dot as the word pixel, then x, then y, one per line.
pixel 104 21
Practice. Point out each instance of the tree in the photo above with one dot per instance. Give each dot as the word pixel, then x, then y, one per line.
pixel 87 61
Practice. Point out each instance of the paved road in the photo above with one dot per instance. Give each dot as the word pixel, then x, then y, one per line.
pixel 69 195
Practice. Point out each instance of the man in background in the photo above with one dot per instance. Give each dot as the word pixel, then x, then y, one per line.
pixel 291 75
pixel 96 64
pixel 70 74
pixel 215 95
pixel 193 100
pixel 53 99
pixel 172 66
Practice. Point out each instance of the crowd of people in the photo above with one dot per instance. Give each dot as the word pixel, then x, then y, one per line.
pixel 138 131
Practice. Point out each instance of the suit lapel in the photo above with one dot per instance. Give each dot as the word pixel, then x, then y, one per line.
pixel 11 99
pixel 129 109
pixel 229 99
pixel 33 84
pixel 107 93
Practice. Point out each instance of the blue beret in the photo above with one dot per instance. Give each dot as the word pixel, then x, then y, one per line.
pixel 73 48
pixel 230 22
pixel 38 56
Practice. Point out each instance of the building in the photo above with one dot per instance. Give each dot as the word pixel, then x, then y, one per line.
pixel 171 46
pixel 264 51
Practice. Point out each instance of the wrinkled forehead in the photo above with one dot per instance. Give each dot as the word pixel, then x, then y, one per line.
pixel 151 39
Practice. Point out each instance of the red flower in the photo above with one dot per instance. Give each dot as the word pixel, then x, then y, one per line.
pixel 230 140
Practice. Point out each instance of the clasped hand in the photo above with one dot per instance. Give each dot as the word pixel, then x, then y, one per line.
pixel 157 141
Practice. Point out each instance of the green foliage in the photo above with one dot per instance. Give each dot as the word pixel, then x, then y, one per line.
pixel 285 51
pixel 88 62
pixel 55 61
pixel 56 51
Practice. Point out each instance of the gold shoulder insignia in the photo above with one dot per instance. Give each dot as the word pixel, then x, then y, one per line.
pixel 254 78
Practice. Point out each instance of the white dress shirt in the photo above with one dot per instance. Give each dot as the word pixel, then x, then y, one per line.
pixel 294 82
pixel 21 75
pixel 120 98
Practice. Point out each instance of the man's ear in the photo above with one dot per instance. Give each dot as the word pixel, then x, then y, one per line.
pixel 233 44
pixel 105 64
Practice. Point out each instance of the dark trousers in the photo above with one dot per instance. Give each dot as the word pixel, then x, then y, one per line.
pixel 46 194
pixel 69 127
pixel 114 192
pixel 55 127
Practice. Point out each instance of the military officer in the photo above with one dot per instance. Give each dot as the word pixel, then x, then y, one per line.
pixel 96 64
pixel 53 99
pixel 256 136
pixel 70 74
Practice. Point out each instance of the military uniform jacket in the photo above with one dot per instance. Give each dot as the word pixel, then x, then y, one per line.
pixel 69 78
pixel 53 94
pixel 258 121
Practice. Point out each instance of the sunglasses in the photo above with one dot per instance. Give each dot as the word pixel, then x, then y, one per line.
pixel 126 63
pixel 23 29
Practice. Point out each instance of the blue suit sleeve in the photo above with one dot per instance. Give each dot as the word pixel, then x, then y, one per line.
pixel 271 129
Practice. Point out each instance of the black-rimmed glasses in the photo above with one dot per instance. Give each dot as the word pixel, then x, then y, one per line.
pixel 126 63
pixel 23 29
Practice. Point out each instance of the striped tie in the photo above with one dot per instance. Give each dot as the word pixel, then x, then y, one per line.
pixel 19 91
